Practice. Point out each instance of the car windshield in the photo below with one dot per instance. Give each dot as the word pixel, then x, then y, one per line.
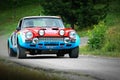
pixel 42 22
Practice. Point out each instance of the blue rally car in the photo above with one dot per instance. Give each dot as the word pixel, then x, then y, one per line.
pixel 43 35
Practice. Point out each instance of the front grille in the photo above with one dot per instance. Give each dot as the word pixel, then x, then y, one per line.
pixel 51 39
pixel 51 44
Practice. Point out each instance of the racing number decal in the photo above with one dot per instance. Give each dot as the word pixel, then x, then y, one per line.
pixel 14 40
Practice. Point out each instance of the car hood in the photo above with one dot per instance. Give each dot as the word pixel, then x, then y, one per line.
pixel 54 32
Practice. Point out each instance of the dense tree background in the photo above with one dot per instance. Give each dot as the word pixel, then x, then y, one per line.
pixel 9 4
pixel 82 13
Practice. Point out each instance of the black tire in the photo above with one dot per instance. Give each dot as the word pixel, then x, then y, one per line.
pixel 21 52
pixel 74 53
pixel 60 55
pixel 11 53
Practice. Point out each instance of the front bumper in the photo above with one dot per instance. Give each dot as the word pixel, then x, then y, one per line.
pixel 47 44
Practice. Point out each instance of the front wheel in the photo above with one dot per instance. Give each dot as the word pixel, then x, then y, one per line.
pixel 74 53
pixel 11 53
pixel 21 52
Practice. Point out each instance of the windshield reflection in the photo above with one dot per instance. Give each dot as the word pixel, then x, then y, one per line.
pixel 43 22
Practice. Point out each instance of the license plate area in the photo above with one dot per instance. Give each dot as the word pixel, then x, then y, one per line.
pixel 51 45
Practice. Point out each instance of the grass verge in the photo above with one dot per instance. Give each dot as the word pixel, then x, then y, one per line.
pixel 85 51
pixel 12 71
pixel 9 18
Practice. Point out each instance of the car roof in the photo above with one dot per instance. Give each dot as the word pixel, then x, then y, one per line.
pixel 41 17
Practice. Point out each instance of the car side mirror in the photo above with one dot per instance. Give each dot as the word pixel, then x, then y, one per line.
pixel 18 28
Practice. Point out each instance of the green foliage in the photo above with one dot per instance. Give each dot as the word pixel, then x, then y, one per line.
pixel 10 18
pixel 82 13
pixel 113 18
pixel 96 36
pixel 85 51
pixel 82 32
pixel 112 35
pixel 110 44
pixel 76 12
pixel 112 39
pixel 12 4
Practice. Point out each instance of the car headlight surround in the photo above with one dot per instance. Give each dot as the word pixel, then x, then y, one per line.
pixel 41 32
pixel 29 35
pixel 72 34
pixel 61 32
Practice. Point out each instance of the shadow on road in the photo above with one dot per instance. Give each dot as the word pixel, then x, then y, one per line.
pixel 45 57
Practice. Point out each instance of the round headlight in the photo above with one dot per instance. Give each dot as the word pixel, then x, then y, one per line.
pixel 66 40
pixel 62 32
pixel 72 34
pixel 29 35
pixel 35 40
pixel 41 32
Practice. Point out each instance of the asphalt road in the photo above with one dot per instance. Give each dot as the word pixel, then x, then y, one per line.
pixel 82 68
